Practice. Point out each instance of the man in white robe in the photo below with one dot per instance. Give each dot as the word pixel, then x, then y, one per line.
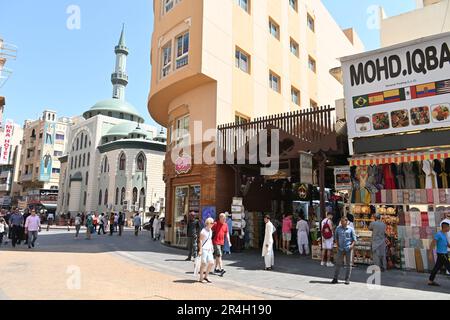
pixel 267 251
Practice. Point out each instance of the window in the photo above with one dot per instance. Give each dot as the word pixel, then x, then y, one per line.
pixel 274 81
pixel 81 141
pixel 241 119
pixel 68 198
pixel 71 163
pixel 100 198
pixel 87 178
pixel 312 64
pixel 59 137
pixel 79 162
pixel 56 170
pixel 121 115
pixel 84 160
pixel 106 198
pixel 293 4
pixel 166 59
pixel 274 29
pixel 131 118
pixel 312 104
pixel 122 196
pixel 135 196
pixel 140 162
pixel 295 96
pixel 244 4
pixel 242 60
pixel 142 198
pixel 182 128
pixel 169 4
pixel 294 48
pixel 122 162
pixel 109 114
pixel 75 162
pixel 311 23
pixel 84 198
pixel 88 159
pixel 78 143
pixel 57 153
pixel 182 50
pixel 117 197
pixel 85 141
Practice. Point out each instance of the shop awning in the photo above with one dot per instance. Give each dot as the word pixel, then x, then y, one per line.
pixel 49 206
pixel 398 158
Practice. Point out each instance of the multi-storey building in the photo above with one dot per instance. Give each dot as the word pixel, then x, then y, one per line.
pixel 221 61
pixel 44 141
pixel 114 162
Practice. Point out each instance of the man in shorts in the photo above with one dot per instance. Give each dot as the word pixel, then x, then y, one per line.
pixel 287 233
pixel 220 230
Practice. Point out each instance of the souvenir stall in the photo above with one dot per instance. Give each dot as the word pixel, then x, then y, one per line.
pixel 411 192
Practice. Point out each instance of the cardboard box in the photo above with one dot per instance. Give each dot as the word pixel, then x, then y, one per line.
pixel 316 253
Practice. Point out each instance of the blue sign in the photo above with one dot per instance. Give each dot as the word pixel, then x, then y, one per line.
pixel 208 212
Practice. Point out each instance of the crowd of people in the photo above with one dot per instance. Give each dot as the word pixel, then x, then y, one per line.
pixel 19 227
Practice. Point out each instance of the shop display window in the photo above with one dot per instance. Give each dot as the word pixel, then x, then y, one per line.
pixel 187 198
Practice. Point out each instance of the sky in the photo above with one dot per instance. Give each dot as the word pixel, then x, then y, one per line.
pixel 68 68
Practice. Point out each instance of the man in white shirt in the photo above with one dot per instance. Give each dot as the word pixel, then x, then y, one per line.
pixel 32 227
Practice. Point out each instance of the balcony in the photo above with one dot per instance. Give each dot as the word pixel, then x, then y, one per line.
pixel 5 175
pixel 120 78
pixel 27 177
pixel 5 187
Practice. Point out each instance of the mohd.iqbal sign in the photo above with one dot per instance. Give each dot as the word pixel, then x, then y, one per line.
pixel 398 89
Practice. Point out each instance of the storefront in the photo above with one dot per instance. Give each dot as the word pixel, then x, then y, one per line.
pixel 186 199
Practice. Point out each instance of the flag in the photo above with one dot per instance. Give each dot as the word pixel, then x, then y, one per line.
pixel 376 99
pixel 361 101
pixel 409 93
pixel 443 87
pixel 394 95
pixel 426 90
pixel 413 92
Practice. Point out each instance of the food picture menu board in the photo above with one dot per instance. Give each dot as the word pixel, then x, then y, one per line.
pixel 401 88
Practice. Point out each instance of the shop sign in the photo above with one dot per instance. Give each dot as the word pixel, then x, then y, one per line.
pixel 306 168
pixel 342 179
pixel 6 143
pixel 398 89
pixel 47 159
pixel 183 164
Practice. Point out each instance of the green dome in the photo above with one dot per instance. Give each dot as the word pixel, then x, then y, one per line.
pixel 139 131
pixel 116 106
pixel 121 129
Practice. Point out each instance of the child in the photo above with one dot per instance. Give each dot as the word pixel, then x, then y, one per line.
pixel 441 242
pixel 3 227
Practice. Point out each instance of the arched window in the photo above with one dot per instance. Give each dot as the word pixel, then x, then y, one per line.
pixel 101 167
pixel 84 198
pixel 122 161
pixel 140 162
pixel 117 197
pixel 89 160
pixel 85 141
pixel 135 196
pixel 100 198
pixel 79 162
pixel 106 197
pixel 76 161
pixel 122 196
pixel 81 141
pixel 142 199
pixel 68 198
pixel 70 181
pixel 78 143
pixel 71 163
pixel 84 160
pixel 87 178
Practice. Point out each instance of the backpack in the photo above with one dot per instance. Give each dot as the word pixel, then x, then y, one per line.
pixel 326 230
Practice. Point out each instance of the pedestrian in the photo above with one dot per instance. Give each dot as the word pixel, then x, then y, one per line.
pixel 95 222
pixel 101 224
pixel 441 243
pixel 205 251
pixel 447 220
pixel 327 240
pixel 162 230
pixel 23 235
pixel 267 251
pixel 345 240
pixel 111 223
pixel 78 222
pixel 302 235
pixel 227 245
pixel 83 217
pixel 378 229
pixel 3 227
pixel 137 224
pixel 193 227
pixel 287 233
pixel 50 220
pixel 15 223
pixel 89 226
pixel 156 227
pixel 120 222
pixel 152 219
pixel 105 222
pixel 220 232
pixel 69 221
pixel 117 216
pixel 32 227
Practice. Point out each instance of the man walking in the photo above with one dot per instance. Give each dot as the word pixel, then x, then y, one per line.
pixel 302 235
pixel 442 245
pixel 32 227
pixel 267 251
pixel 345 239
pixel 120 222
pixel 101 224
pixel 379 242
pixel 50 219
pixel 111 223
pixel 220 231
pixel 15 223
pixel 326 229
pixel 89 226
pixel 287 233
pixel 156 227
pixel 137 224
pixel 78 221
pixel 193 228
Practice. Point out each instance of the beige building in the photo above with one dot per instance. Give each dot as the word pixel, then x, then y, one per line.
pixel 221 61
pixel 430 17
pixel 44 141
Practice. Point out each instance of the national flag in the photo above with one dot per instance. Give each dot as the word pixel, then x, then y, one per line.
pixel 443 87
pixel 426 90
pixel 413 93
pixel 361 101
pixel 394 95
pixel 376 99
pixel 409 93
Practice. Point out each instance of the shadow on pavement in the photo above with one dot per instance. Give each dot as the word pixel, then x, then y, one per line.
pixel 185 281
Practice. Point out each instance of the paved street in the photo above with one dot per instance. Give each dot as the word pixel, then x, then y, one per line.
pixel 62 267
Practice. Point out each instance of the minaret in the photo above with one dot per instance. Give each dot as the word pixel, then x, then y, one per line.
pixel 119 78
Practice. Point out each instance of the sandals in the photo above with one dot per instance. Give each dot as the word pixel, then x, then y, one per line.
pixel 206 280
